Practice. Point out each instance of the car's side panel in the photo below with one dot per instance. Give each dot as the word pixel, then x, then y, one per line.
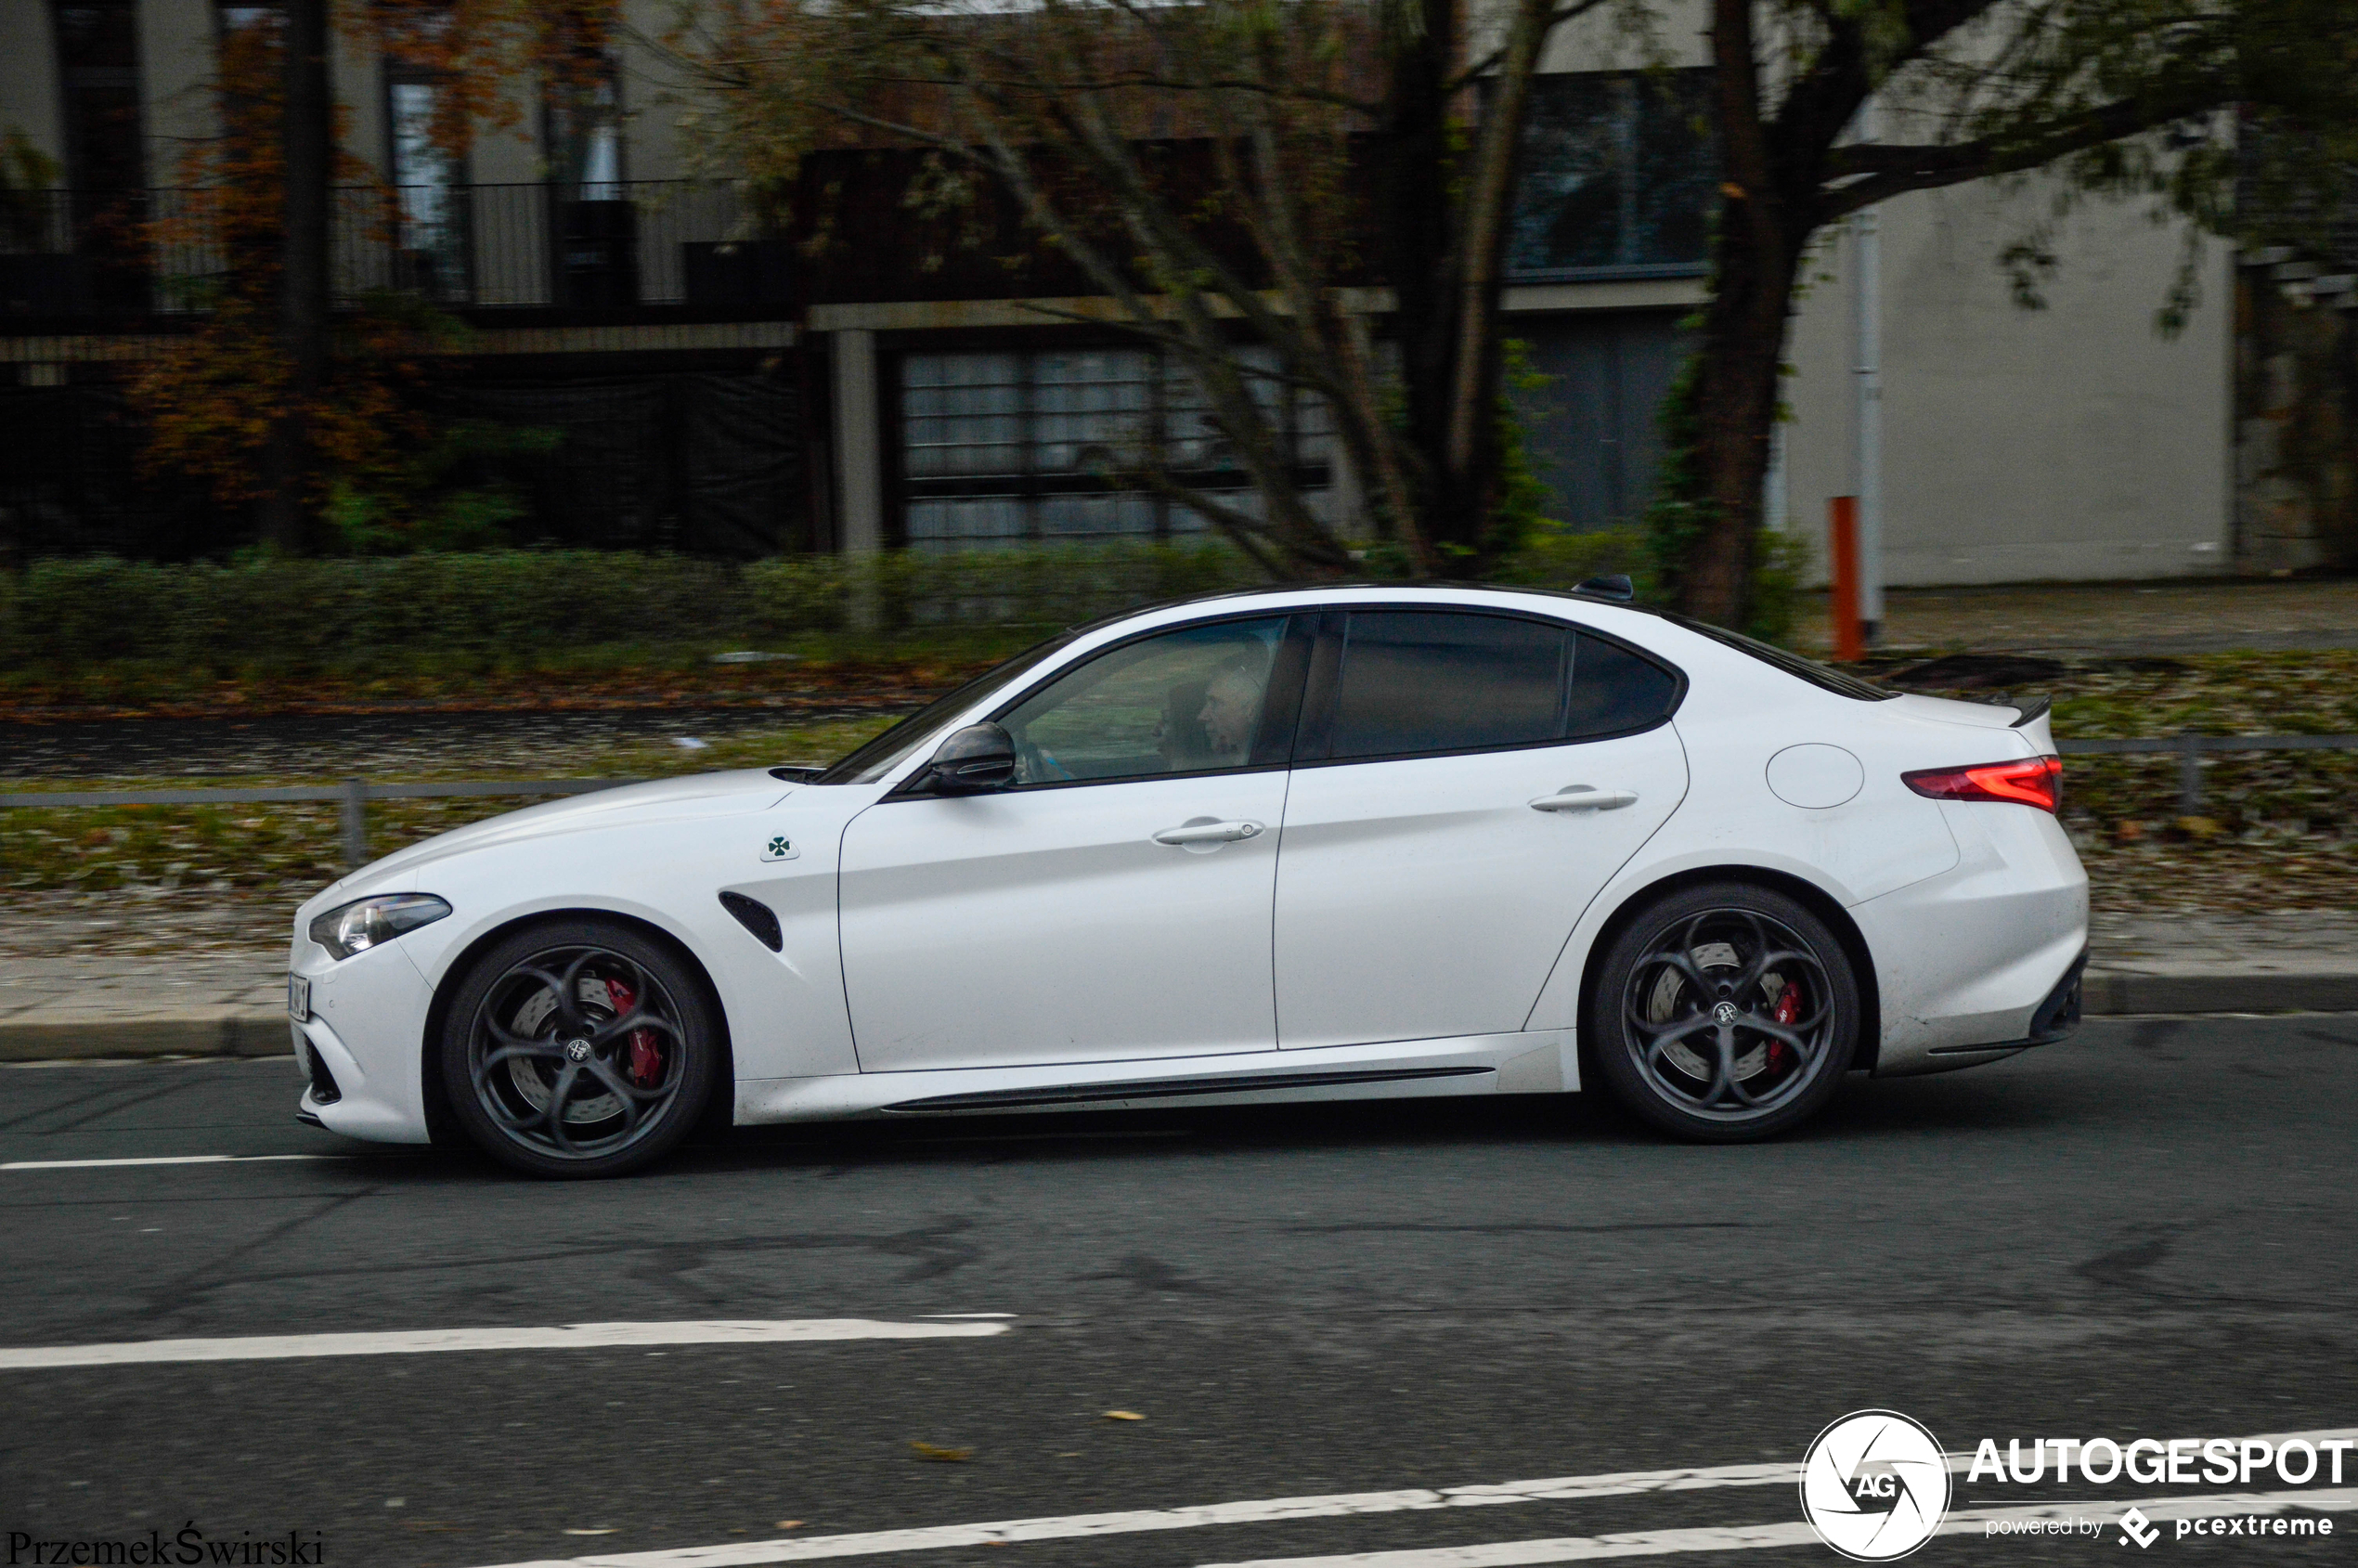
pixel 1049 925
pixel 1427 896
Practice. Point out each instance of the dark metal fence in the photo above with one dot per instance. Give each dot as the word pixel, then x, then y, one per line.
pixel 611 246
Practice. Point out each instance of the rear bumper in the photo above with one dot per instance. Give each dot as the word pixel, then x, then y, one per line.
pixel 1985 959
pixel 2056 1018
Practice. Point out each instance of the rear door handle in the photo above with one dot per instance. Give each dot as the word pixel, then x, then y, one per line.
pixel 1208 832
pixel 1584 798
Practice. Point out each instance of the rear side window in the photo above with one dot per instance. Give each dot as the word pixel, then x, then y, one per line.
pixel 1417 682
pixel 1613 691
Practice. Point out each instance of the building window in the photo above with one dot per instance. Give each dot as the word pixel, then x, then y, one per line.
pixel 1619 177
pixel 596 223
pixel 99 68
pixel 581 115
pixel 999 448
pixel 429 199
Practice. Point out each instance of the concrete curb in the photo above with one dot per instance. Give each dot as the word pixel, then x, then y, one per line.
pixel 2192 991
pixel 218 1031
pixel 228 1032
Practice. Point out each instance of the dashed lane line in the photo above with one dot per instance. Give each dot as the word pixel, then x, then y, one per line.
pixel 570 1335
pixel 167 1159
pixel 1744 1537
pixel 1063 1527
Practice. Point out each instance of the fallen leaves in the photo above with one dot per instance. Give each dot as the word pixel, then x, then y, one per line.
pixel 943 1456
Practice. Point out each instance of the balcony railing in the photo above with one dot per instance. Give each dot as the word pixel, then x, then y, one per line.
pixel 612 246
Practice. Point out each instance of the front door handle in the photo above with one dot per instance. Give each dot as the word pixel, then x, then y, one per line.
pixel 1584 798
pixel 1208 832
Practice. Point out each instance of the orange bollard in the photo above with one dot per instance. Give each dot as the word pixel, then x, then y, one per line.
pixel 1842 524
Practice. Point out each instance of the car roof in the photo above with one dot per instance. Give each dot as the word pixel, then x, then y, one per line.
pixel 1361 585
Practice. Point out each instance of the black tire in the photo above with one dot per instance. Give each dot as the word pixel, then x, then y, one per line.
pixel 533 1022
pixel 1724 1013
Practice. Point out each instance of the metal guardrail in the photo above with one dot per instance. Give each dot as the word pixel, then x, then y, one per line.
pixel 355 794
pixel 2190 747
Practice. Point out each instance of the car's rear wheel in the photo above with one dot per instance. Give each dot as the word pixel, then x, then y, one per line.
pixel 1725 1013
pixel 579 1048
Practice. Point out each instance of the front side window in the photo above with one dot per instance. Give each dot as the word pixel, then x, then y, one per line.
pixel 1189 701
pixel 929 724
pixel 1423 682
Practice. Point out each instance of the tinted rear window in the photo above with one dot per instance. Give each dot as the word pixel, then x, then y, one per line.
pixel 1615 690
pixel 1413 682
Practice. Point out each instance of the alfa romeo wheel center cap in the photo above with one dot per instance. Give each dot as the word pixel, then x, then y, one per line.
pixel 1724 1015
pixel 578 1050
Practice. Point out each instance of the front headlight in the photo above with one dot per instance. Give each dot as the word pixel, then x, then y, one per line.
pixel 357 927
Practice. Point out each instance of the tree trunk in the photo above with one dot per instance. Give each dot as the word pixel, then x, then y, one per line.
pixel 1735 409
pixel 309 139
pixel 1416 221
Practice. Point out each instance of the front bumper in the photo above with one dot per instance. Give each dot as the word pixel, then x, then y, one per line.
pixel 361 1051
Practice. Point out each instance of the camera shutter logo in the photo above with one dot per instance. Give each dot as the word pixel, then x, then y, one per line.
pixel 1874 1485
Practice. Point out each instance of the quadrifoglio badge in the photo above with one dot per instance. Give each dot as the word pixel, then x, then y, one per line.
pixel 1876 1485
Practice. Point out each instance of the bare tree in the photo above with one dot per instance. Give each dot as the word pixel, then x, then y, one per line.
pixel 1228 173
pixel 2115 99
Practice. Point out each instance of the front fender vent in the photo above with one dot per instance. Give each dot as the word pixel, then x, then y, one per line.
pixel 757 917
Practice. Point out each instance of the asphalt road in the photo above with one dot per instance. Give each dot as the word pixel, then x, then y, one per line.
pixel 2146 1231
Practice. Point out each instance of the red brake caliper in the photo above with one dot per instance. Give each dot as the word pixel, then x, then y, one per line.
pixel 645 1066
pixel 1787 1011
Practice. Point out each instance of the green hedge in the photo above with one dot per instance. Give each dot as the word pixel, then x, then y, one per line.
pixel 358 614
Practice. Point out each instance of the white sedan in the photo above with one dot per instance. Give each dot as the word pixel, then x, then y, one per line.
pixel 1314 844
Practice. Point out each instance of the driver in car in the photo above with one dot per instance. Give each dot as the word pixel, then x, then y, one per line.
pixel 1232 710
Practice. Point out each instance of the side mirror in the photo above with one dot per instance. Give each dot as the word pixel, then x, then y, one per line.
pixel 977 758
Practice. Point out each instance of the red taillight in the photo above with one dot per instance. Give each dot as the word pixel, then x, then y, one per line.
pixel 2038 781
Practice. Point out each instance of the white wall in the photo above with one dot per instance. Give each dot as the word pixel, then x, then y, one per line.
pixel 2069 442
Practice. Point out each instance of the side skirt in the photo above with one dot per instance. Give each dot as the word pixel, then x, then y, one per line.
pixel 1541 1061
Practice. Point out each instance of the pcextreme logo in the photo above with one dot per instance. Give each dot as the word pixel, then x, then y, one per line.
pixel 1874 1485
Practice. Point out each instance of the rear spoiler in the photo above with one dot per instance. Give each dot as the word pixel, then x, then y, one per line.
pixel 2033 723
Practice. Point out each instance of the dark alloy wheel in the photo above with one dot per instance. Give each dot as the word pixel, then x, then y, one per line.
pixel 1725 1013
pixel 578 1049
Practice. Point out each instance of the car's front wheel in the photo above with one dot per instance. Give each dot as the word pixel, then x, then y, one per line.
pixel 1725 1013
pixel 579 1048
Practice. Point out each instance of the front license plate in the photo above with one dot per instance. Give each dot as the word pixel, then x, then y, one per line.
pixel 298 998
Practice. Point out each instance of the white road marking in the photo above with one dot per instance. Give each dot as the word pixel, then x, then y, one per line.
pixel 1567 1488
pixel 166 1159
pixel 1741 1537
pixel 571 1336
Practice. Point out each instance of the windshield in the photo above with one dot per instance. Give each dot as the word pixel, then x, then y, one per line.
pixel 880 755
pixel 1817 675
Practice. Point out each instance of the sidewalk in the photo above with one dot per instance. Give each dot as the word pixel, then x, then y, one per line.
pixel 85 1006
